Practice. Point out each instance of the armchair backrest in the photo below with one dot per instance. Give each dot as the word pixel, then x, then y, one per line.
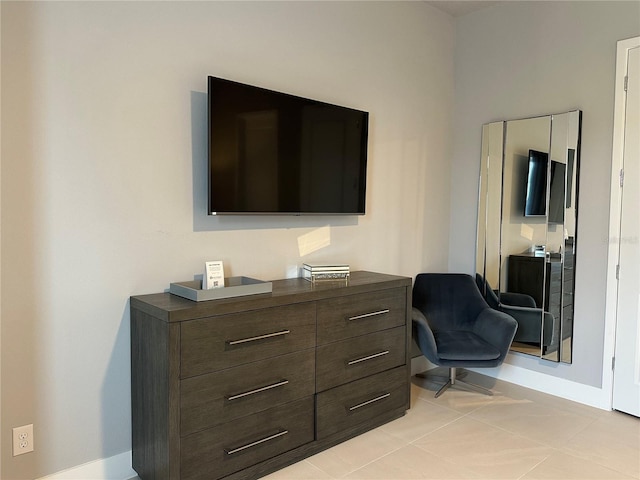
pixel 485 290
pixel 449 301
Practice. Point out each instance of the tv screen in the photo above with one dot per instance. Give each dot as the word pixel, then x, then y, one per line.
pixel 275 153
pixel 557 192
pixel 536 194
pixel 536 191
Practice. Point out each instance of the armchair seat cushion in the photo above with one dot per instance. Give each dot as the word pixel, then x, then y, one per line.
pixel 462 345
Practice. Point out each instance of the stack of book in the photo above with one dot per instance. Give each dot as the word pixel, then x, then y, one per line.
pixel 317 272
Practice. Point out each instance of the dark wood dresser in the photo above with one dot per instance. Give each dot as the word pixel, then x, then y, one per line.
pixel 240 387
pixel 539 277
pixel 542 279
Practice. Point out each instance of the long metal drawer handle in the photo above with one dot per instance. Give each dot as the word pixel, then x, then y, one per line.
pixel 367 315
pixel 368 357
pixel 258 390
pixel 259 337
pixel 257 442
pixel 377 399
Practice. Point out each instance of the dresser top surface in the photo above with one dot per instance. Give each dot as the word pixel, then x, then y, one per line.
pixel 532 257
pixel 172 308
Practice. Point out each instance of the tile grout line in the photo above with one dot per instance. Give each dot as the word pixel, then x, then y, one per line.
pixel 368 463
pixel 537 465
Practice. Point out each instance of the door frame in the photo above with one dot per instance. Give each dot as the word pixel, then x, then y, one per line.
pixel 615 210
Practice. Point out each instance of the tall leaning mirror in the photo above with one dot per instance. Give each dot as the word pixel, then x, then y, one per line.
pixel 527 217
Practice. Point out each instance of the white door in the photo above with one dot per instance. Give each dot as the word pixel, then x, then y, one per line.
pixel 626 376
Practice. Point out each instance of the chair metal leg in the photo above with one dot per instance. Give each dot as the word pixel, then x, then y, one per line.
pixel 429 376
pixel 443 388
pixel 454 379
pixel 474 387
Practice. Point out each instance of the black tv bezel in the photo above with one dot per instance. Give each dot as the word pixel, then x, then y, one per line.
pixel 361 208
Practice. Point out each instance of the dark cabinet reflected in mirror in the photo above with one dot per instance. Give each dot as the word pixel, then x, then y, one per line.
pixel 527 218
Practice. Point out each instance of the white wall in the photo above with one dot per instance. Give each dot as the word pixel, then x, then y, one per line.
pixel 522 59
pixel 103 179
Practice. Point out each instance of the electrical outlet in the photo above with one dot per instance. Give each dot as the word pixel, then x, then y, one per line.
pixel 22 439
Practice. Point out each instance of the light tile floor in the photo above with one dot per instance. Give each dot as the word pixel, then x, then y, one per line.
pixel 516 434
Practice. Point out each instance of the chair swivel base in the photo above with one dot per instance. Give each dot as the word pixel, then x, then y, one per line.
pixel 454 380
pixel 427 375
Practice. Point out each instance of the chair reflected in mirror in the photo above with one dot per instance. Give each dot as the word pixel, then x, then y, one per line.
pixel 536 327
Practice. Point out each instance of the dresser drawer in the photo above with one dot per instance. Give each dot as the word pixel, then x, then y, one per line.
pixel 215 398
pixel 342 362
pixel 220 451
pixel 353 315
pixel 215 343
pixel 361 401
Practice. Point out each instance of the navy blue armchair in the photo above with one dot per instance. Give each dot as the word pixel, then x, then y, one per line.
pixel 454 326
pixel 535 326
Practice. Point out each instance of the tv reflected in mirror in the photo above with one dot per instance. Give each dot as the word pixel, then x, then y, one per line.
pixel 536 190
pixel 536 199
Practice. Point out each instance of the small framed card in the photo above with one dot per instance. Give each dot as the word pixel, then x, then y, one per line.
pixel 213 275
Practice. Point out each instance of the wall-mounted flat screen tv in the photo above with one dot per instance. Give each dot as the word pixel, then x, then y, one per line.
pixel 536 190
pixel 276 153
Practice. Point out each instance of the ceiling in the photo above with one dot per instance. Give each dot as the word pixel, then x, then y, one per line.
pixel 458 8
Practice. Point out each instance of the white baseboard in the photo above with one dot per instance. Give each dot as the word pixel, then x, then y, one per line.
pixel 117 467
pixel 420 364
pixel 559 387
